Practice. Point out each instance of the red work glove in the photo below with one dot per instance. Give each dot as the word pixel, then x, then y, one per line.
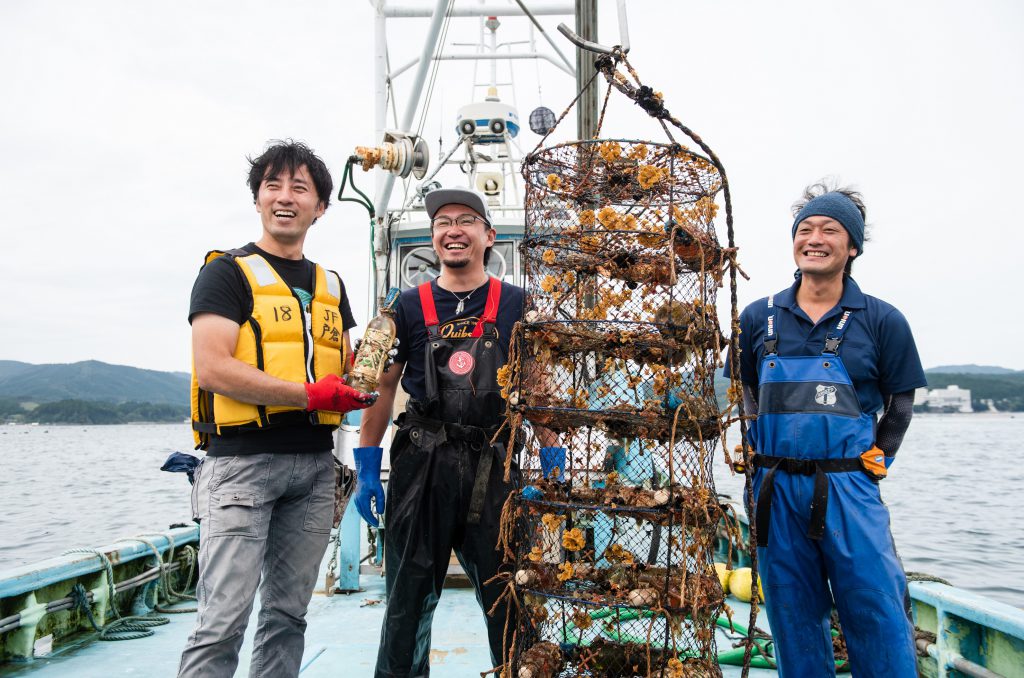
pixel 332 394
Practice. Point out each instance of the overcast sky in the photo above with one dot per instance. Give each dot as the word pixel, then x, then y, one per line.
pixel 124 128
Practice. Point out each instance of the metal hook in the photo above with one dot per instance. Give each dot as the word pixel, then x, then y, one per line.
pixel 622 48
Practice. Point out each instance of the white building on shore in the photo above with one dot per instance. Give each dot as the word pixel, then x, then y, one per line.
pixel 949 399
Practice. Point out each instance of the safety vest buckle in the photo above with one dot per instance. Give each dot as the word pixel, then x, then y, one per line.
pixel 832 345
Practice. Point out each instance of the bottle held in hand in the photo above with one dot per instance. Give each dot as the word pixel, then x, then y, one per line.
pixel 372 356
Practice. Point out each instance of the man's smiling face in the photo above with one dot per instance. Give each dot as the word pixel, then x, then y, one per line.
pixel 458 246
pixel 821 247
pixel 288 205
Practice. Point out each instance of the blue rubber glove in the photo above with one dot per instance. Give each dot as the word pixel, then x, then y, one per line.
pixel 531 493
pixel 368 483
pixel 550 459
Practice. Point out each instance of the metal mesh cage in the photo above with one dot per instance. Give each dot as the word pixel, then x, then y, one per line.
pixel 616 355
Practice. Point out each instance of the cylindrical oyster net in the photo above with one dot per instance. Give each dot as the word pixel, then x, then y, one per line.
pixel 616 357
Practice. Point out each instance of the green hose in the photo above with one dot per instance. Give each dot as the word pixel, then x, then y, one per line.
pixel 762 655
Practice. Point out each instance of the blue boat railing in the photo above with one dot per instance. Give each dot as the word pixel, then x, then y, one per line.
pixel 37 598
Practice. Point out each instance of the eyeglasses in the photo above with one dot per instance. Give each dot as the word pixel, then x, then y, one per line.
pixel 463 220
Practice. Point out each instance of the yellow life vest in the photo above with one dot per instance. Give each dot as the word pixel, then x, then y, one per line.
pixel 281 340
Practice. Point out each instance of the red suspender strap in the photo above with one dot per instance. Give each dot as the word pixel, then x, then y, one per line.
pixel 491 308
pixel 427 304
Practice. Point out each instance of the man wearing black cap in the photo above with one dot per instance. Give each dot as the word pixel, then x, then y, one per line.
pixel 446 488
pixel 818 362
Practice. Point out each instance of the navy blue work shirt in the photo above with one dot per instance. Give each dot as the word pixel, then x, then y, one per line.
pixel 878 348
pixel 412 333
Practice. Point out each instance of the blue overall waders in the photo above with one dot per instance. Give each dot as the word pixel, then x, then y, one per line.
pixel 821 521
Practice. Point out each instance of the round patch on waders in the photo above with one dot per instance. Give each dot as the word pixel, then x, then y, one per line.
pixel 460 363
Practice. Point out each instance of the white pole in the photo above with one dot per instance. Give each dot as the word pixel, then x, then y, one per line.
pixel 380 114
pixel 429 45
pixel 494 54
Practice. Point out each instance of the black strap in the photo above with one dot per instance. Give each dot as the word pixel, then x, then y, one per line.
pixel 483 474
pixel 806 467
pixel 835 336
pixel 288 417
pixel 771 337
pixel 471 434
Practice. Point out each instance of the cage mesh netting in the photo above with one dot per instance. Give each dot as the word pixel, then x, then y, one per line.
pixel 614 360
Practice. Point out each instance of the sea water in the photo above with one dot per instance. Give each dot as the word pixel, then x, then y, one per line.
pixel 954 494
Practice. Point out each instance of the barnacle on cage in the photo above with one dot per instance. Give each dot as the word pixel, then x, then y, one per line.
pixel 573 540
pixel 608 217
pixel 645 597
pixel 651 175
pixel 581 618
pixel 536 554
pixel 502 378
pixel 610 151
pixel 549 257
pixel 565 571
pixel 552 521
pixel 542 660
pixel 619 555
pixel 637 152
pixel 587 218
pixel 554 182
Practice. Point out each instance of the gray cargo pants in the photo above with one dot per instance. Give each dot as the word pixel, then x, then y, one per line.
pixel 268 514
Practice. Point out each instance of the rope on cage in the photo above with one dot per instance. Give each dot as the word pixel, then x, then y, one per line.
pixel 671 253
pixel 507 526
pixel 650 630
pixel 508 593
pixel 511 375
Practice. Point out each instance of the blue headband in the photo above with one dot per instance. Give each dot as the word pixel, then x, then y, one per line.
pixel 836 206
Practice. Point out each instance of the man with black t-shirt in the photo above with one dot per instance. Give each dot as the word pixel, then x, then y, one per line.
pixel 446 487
pixel 269 340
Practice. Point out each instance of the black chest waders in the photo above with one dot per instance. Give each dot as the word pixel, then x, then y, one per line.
pixel 445 492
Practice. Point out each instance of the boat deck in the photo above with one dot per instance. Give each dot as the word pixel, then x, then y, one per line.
pixel 341 640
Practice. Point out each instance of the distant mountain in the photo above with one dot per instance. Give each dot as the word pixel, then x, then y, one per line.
pixel 969 369
pixel 9 367
pixel 92 380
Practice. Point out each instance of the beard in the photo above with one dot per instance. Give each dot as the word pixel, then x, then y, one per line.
pixel 458 263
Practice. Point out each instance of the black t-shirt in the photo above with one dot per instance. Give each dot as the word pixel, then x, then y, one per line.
pixel 412 333
pixel 221 288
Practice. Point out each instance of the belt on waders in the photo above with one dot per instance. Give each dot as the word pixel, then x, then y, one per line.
pixel 805 467
pixel 479 438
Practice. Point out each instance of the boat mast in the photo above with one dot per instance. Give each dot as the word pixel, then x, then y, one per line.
pixel 586 109
pixel 438 12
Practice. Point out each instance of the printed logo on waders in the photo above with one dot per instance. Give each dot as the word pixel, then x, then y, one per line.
pixel 826 395
pixel 460 363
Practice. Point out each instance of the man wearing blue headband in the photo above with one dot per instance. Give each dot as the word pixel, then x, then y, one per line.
pixel 819 361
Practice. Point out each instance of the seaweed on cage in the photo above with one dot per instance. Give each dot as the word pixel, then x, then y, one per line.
pixel 672 341
pixel 621 420
pixel 696 507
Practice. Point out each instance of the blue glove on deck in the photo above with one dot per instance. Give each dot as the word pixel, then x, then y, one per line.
pixel 550 459
pixel 368 483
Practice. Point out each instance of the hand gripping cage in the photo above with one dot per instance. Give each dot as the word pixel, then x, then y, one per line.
pixel 611 559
